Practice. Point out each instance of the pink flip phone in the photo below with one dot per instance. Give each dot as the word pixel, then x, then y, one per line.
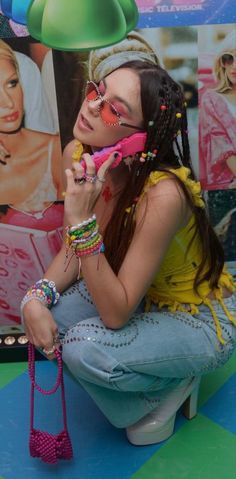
pixel 125 147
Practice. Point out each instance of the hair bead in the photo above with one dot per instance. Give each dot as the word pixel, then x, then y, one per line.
pixel 143 157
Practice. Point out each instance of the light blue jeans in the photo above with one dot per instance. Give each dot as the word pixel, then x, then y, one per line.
pixel 128 371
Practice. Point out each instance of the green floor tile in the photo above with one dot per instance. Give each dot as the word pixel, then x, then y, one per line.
pixel 199 450
pixel 213 381
pixel 9 371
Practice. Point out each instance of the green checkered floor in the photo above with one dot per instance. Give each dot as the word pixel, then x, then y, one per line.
pixel 204 448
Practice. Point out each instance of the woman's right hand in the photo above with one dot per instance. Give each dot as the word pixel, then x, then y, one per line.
pixel 40 327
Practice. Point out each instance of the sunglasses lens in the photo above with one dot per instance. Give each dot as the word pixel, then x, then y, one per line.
pixel 91 92
pixel 227 59
pixel 109 114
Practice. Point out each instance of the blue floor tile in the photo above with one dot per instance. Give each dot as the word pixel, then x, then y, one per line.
pixel 99 448
pixel 224 416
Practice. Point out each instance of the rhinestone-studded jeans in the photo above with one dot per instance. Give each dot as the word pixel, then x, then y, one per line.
pixel 128 371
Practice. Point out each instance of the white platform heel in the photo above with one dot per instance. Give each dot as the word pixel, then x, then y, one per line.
pixel 159 424
pixel 190 404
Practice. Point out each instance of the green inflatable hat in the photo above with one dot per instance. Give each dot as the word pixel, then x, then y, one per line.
pixel 81 24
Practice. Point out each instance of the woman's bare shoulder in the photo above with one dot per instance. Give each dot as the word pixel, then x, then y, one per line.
pixel 167 187
pixel 69 149
pixel 165 200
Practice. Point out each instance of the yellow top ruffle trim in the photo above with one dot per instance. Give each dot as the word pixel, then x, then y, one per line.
pixel 183 174
pixel 76 156
pixel 193 309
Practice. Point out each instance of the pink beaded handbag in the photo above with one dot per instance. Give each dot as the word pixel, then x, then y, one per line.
pixel 48 447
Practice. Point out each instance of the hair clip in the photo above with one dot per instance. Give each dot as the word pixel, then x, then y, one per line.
pixel 163 107
pixel 185 104
pixel 178 115
pixel 151 123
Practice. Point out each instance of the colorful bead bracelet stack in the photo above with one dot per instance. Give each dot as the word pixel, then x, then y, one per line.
pixel 84 238
pixel 44 291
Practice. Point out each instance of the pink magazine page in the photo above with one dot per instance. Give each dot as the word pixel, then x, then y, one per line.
pixel 24 256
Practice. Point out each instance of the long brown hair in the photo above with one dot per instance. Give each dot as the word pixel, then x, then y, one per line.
pixel 165 121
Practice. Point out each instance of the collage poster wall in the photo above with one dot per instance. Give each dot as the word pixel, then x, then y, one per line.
pixel 41 92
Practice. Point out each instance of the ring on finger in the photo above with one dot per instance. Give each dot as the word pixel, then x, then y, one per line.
pixel 56 339
pixel 102 180
pixel 80 180
pixel 49 351
pixel 90 178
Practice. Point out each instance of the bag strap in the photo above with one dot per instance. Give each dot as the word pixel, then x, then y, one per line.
pixel 59 382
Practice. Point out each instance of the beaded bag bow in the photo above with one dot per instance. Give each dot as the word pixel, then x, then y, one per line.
pixel 42 444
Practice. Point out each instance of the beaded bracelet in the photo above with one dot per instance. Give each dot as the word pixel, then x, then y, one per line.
pixel 44 291
pixel 84 238
pixel 84 223
pixel 99 248
pixel 48 287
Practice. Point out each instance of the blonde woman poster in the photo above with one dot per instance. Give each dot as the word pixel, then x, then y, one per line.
pixel 30 160
pixel 217 106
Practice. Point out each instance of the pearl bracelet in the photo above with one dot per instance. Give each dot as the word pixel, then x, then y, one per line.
pixel 84 223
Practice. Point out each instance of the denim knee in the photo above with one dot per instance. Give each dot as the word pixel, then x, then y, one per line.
pixel 92 359
pixel 85 359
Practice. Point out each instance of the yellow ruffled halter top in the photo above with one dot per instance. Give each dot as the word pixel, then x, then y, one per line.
pixel 173 285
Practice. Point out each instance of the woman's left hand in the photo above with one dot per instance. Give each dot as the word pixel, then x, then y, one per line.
pixel 83 188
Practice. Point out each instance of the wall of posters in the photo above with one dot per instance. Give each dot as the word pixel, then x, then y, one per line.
pixel 196 42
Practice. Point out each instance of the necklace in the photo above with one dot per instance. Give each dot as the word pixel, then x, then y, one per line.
pixel 38 215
